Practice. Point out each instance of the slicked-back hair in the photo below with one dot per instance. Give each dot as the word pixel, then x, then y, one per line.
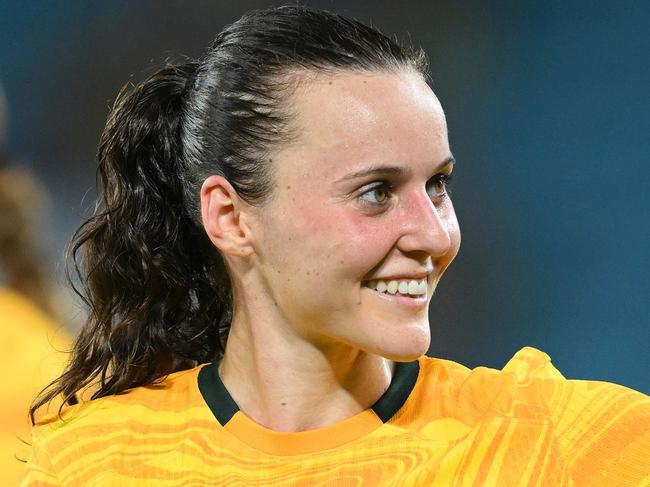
pixel 158 292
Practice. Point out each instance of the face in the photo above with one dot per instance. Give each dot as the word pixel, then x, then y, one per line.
pixel 333 228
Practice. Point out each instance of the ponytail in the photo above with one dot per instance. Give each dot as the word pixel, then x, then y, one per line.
pixel 158 293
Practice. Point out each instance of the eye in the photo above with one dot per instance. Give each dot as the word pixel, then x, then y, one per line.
pixel 439 184
pixel 377 195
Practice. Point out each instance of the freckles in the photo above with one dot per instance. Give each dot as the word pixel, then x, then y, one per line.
pixel 369 231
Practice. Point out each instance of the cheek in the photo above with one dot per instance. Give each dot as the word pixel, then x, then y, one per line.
pixel 337 244
pixel 373 235
pixel 367 241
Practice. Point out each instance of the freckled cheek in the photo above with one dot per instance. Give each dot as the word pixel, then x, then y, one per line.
pixel 370 238
pixel 313 241
pixel 347 241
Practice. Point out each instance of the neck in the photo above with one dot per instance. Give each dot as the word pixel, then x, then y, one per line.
pixel 289 384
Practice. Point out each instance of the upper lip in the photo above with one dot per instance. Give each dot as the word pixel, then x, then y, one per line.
pixel 401 277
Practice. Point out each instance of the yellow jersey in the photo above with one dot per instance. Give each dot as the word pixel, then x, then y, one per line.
pixel 438 424
pixel 33 353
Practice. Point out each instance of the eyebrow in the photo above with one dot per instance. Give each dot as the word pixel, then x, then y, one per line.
pixel 384 170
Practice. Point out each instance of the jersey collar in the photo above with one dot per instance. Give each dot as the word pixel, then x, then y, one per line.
pixel 228 414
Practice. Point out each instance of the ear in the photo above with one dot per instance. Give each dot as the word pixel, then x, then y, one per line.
pixel 222 218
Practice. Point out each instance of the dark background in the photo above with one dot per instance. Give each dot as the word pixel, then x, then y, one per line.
pixel 548 111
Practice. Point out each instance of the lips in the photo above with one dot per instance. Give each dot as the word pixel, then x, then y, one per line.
pixel 404 287
pixel 399 300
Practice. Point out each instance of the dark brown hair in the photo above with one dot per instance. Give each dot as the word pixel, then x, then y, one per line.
pixel 158 292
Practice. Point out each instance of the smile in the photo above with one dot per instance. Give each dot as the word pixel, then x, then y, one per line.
pixel 391 292
pixel 404 287
pixel 400 300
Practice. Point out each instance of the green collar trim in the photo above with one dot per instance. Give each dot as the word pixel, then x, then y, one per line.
pixel 223 406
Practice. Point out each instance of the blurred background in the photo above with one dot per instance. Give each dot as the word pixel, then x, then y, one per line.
pixel 549 119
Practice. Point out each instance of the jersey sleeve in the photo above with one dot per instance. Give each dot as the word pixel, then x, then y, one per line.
pixel 39 471
pixel 602 429
pixel 604 432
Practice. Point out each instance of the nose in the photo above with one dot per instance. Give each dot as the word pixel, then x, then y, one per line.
pixel 426 227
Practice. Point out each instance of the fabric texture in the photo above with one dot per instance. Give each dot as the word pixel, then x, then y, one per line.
pixel 524 425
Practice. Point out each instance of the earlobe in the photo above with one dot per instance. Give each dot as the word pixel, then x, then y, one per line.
pixel 222 217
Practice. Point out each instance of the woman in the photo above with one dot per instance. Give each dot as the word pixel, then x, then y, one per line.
pixel 31 340
pixel 276 219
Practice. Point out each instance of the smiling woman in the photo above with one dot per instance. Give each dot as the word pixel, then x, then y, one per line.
pixel 275 220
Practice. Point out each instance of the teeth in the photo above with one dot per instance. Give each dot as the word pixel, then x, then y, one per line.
pixel 412 287
pixel 392 287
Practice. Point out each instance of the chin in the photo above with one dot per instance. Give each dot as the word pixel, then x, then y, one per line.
pixel 408 346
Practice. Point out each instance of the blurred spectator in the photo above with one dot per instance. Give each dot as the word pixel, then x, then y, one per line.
pixel 31 341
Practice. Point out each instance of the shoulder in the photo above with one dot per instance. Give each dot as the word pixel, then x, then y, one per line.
pixel 531 382
pixel 472 395
pixel 116 431
pixel 176 393
pixel 601 429
pixel 113 423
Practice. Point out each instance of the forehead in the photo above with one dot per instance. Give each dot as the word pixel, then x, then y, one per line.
pixel 347 121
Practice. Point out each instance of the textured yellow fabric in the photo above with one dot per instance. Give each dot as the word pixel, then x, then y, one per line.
pixel 30 345
pixel 525 425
